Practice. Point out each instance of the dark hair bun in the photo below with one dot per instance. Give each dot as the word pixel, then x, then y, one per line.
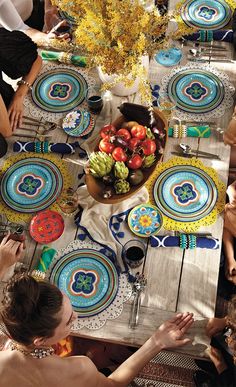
pixel 21 295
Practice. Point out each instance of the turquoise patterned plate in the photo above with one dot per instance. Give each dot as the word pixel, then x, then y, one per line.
pixel 78 123
pixel 169 57
pixel 185 193
pixel 31 185
pixel 88 278
pixel 196 90
pixel 145 220
pixel 206 14
pixel 59 90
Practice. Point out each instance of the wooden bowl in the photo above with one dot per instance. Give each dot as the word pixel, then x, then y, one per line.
pixel 95 186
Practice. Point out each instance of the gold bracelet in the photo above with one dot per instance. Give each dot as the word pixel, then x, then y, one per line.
pixel 23 82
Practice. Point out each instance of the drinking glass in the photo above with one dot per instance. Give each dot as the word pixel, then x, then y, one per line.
pixel 68 201
pixel 134 252
pixel 166 105
pixel 94 99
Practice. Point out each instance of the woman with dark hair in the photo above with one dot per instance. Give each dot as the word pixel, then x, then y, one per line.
pixel 36 315
pixel 18 59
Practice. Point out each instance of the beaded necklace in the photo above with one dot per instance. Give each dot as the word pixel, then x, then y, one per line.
pixel 36 353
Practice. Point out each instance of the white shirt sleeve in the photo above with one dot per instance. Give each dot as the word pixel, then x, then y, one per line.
pixel 10 18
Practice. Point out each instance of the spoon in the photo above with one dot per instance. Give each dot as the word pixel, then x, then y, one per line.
pixel 188 150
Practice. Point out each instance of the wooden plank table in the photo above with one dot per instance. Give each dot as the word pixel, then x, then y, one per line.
pixel 177 280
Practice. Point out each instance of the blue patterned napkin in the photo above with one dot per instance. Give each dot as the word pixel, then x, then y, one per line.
pixel 174 241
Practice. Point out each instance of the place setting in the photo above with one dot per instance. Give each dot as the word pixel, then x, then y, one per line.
pixel 57 90
pixel 87 273
pixel 200 92
pixel 31 183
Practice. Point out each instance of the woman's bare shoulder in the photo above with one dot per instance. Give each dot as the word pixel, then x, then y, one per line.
pixel 84 370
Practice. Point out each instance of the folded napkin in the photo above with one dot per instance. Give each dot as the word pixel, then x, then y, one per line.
pixel 95 217
pixel 46 258
pixel 209 35
pixel 184 241
pixel 46 147
pixel 64 57
pixel 180 131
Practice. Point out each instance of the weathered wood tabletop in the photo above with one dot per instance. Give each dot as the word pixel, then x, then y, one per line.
pixel 178 280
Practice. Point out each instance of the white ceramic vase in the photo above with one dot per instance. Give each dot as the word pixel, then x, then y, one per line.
pixel 120 89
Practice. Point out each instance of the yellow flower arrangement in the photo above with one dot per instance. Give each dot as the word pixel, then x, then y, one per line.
pixel 115 34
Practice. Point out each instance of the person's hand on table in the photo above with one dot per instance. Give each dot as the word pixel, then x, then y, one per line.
pixel 10 253
pixel 215 325
pixel 171 333
pixel 16 110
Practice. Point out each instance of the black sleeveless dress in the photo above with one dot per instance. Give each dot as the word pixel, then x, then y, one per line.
pixel 17 55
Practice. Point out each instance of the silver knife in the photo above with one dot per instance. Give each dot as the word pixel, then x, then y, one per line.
pixel 211 60
pixel 182 154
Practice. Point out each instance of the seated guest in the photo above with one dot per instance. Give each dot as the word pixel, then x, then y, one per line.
pixel 16 15
pixel 36 315
pixel 222 373
pixel 18 58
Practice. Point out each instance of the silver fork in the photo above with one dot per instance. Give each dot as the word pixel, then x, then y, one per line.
pixel 138 287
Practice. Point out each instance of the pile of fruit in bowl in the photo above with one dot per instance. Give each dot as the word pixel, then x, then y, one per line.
pixel 126 155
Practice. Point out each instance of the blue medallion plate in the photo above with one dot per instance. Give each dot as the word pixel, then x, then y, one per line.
pixel 185 193
pixel 59 90
pixel 196 90
pixel 145 220
pixel 206 14
pixel 88 278
pixel 169 57
pixel 31 185
pixel 78 123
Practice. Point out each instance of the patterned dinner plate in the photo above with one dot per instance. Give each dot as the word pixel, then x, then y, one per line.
pixel 169 57
pixel 145 220
pixel 185 193
pixel 31 185
pixel 206 14
pixel 196 90
pixel 47 226
pixel 88 278
pixel 59 90
pixel 78 123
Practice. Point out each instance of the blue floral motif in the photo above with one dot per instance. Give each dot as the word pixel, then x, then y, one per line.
pixel 30 185
pixel 84 282
pixel 196 91
pixel 60 91
pixel 206 13
pixel 185 193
